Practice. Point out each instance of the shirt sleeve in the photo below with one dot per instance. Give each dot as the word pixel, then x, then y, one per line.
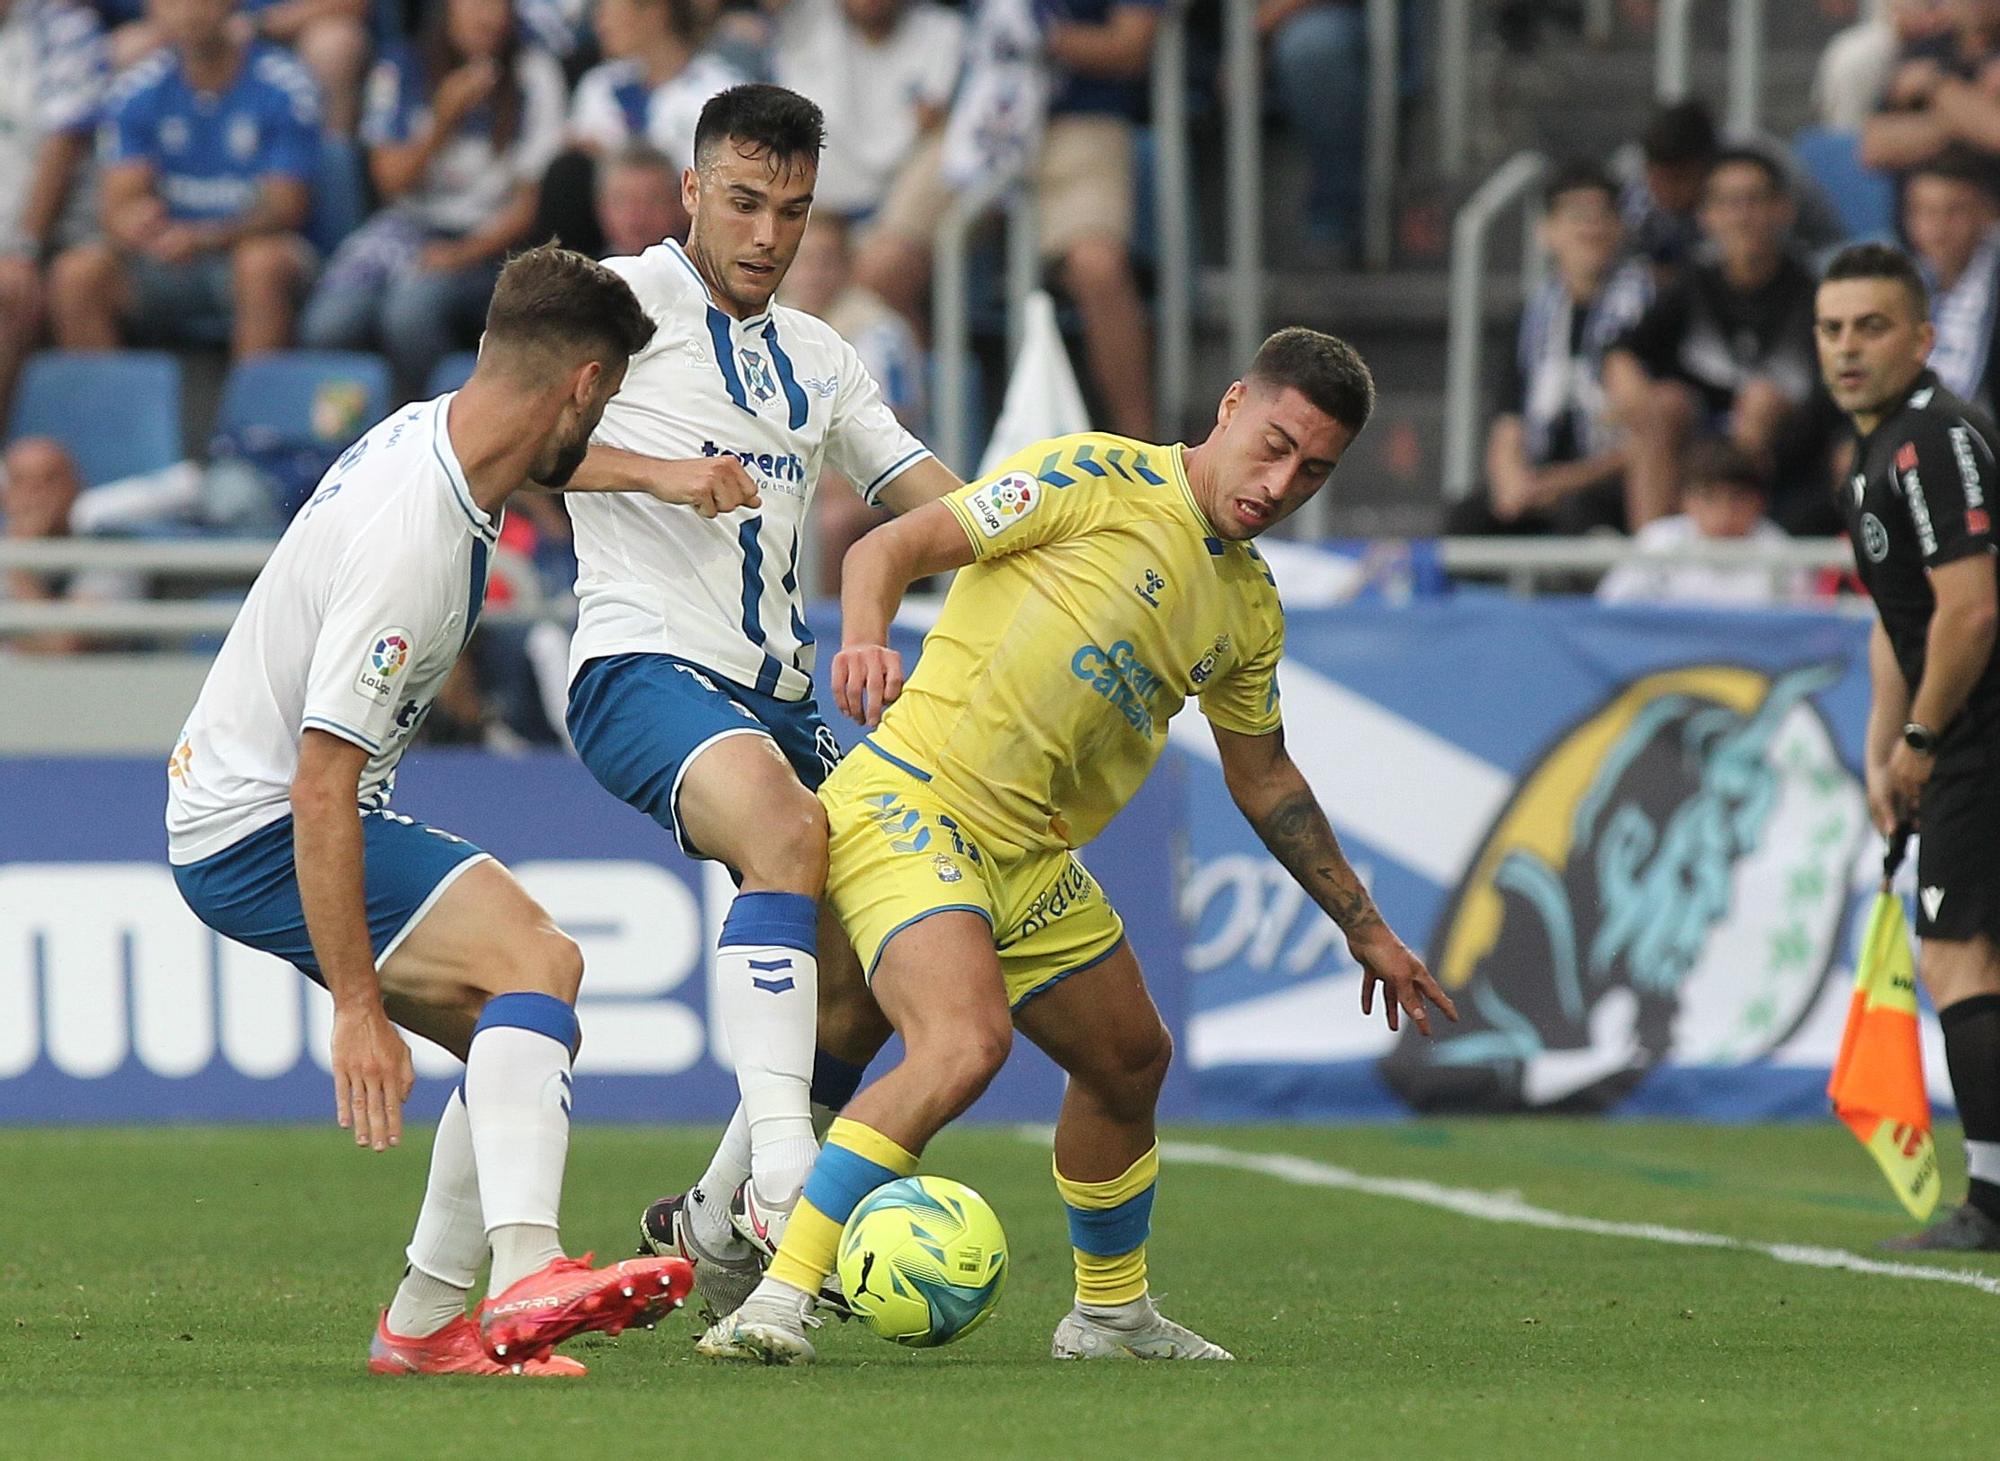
pixel 543 98
pixel 380 613
pixel 1245 699
pixel 595 118
pixel 866 443
pixel 1942 469
pixel 389 107
pixel 291 143
pixel 1013 508
pixel 73 70
pixel 129 131
pixel 1656 338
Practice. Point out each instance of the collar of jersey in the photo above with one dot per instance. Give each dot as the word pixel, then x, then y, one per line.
pixel 1177 464
pixel 755 322
pixel 482 524
pixel 1925 377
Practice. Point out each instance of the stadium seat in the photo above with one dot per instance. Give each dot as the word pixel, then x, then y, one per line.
pixel 328 397
pixel 339 195
pixel 117 411
pixel 1864 198
pixel 451 372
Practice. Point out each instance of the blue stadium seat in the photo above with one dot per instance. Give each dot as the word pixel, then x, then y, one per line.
pixel 328 397
pixel 451 372
pixel 339 198
pixel 118 411
pixel 1864 198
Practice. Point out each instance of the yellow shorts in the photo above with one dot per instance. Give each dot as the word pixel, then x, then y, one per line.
pixel 897 854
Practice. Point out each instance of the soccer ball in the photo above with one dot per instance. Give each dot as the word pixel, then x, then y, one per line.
pixel 922 1261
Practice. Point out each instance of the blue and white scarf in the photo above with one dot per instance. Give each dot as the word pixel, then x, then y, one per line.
pixel 1561 384
pixel 1964 317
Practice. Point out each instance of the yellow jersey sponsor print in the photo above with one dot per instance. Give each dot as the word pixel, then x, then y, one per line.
pixel 1098 602
pixel 898 853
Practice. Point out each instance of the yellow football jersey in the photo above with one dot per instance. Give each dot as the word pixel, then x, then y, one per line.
pixel 1099 600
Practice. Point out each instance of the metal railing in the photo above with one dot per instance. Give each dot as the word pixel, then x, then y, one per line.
pixel 1243 125
pixel 1527 562
pixel 225 560
pixel 1454 84
pixel 1515 180
pixel 1673 59
pixel 955 417
pixel 1385 65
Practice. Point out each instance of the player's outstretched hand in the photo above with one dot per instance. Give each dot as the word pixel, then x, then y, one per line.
pixel 866 680
pixel 1407 983
pixel 711 486
pixel 372 1076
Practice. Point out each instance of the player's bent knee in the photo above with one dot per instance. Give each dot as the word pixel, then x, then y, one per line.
pixel 787 850
pixel 961 1064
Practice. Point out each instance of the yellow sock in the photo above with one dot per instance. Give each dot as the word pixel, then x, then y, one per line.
pixel 853 1162
pixel 1108 1226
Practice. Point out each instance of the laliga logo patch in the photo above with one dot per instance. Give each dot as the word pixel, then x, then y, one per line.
pixel 383 663
pixel 1668 886
pixel 1000 504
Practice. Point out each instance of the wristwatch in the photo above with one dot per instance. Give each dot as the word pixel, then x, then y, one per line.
pixel 1920 738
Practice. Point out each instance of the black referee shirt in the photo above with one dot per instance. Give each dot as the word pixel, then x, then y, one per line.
pixel 1916 500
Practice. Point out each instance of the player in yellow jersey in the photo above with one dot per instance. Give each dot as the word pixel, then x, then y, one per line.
pixel 1105 583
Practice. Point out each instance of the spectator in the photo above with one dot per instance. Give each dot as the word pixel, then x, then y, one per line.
pixel 1554 461
pixel 1662 195
pixel 1728 349
pixel 51 80
pixel 1319 78
pixel 638 201
pixel 1084 182
pixel 821 283
pixel 39 490
pixel 651 90
pixel 652 84
pixel 882 72
pixel 329 37
pixel 208 146
pixel 1949 213
pixel 459 128
pixel 1855 68
pixel 1941 94
pixel 1726 496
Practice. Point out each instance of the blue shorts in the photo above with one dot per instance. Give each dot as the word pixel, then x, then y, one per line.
pixel 249 891
pixel 639 721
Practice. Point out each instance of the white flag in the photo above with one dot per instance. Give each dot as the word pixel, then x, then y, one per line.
pixel 1042 395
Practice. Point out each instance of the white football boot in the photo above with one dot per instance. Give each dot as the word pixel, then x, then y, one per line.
pixel 725 1278
pixel 770 1327
pixel 1139 1332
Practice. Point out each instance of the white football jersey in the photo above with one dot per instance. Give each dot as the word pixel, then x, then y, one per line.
pixel 350 628
pixel 783 394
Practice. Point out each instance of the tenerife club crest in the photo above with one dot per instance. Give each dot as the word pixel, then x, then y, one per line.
pixel 1669 884
pixel 757 377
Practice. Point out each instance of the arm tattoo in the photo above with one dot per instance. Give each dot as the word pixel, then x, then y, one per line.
pixel 1299 836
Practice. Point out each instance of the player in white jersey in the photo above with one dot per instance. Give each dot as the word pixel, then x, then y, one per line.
pixel 691 670
pixel 337 654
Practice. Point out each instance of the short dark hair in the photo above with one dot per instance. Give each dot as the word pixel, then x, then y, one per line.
pixel 1326 370
pixel 780 123
pixel 1714 461
pixel 1773 171
pixel 1958 164
pixel 1679 135
pixel 1881 261
pixel 553 300
pixel 1578 176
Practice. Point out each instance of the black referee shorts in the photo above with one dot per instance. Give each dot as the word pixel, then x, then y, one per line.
pixel 1958 849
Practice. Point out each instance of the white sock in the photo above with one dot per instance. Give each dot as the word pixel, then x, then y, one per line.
pixel 1129 1315
pixel 727 1170
pixel 767 984
pixel 450 1241
pixel 520 1249
pixel 1982 1161
pixel 517 1096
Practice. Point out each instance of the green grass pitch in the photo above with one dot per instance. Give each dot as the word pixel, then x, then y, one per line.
pixel 209 1293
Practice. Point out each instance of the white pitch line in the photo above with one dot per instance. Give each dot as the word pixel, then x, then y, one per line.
pixel 1506 1207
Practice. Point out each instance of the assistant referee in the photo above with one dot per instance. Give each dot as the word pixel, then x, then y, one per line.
pixel 1916 508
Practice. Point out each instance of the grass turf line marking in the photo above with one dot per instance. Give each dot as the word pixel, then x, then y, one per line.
pixel 1506 1207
